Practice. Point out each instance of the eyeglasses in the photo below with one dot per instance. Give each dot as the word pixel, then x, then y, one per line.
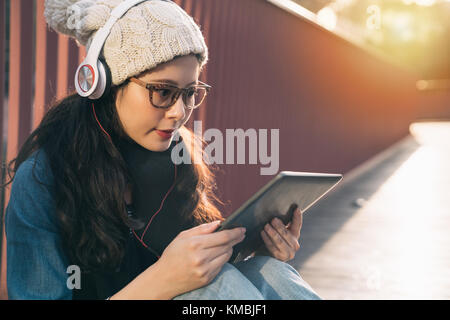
pixel 165 95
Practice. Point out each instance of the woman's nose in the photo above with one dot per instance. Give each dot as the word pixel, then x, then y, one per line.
pixel 178 110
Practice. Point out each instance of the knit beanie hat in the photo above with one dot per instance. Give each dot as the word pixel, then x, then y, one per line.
pixel 150 33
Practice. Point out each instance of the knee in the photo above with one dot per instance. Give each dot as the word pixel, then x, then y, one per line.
pixel 266 264
pixel 229 284
pixel 232 284
pixel 276 279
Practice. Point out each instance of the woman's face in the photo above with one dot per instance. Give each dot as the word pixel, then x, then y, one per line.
pixel 140 120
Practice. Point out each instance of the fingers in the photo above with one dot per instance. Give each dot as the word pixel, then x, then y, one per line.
pixel 285 234
pixel 279 241
pixel 210 260
pixel 222 238
pixel 211 254
pixel 208 270
pixel 278 236
pixel 296 223
pixel 216 264
pixel 205 228
pixel 281 229
pixel 204 270
pixel 269 244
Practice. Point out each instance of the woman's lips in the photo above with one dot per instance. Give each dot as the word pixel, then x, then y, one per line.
pixel 166 134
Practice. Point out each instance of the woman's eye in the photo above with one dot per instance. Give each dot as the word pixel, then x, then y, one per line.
pixel 192 92
pixel 163 92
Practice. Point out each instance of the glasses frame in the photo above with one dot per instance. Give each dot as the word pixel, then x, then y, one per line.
pixel 150 86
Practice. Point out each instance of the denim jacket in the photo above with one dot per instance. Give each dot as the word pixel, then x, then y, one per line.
pixel 37 267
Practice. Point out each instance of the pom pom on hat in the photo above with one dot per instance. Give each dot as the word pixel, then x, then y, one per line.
pixel 78 19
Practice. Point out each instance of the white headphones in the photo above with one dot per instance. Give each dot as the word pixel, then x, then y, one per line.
pixel 93 76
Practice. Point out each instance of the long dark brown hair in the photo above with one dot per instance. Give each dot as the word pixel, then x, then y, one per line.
pixel 91 177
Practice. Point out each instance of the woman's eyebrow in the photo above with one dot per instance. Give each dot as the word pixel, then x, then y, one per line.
pixel 172 82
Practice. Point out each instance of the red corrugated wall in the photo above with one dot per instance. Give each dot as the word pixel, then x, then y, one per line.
pixel 334 104
pixel 41 68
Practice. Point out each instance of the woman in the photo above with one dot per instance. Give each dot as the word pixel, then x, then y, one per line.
pixel 95 188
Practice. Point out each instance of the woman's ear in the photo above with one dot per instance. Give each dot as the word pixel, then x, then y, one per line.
pixel 119 93
pixel 118 97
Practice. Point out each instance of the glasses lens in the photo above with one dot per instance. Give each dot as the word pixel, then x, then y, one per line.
pixel 194 97
pixel 162 96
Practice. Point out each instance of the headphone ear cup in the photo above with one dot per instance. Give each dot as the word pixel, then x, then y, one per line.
pixel 108 77
pixel 104 80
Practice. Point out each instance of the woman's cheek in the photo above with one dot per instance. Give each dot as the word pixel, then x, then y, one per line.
pixel 186 118
pixel 138 117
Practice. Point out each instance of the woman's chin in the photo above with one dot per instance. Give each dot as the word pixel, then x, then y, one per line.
pixel 157 145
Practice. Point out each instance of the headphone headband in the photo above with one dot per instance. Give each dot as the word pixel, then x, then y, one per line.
pixel 101 35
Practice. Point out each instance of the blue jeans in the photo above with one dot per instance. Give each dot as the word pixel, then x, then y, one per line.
pixel 258 278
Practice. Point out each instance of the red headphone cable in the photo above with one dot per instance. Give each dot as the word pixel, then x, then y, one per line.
pixel 141 239
pixel 95 115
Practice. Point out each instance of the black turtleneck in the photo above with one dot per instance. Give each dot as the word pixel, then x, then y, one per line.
pixel 152 174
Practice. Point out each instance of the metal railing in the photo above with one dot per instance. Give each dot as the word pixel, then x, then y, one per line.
pixel 41 67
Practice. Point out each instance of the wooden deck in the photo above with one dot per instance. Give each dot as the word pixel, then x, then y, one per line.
pixel 385 232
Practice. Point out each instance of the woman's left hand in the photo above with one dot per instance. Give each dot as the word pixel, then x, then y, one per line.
pixel 282 241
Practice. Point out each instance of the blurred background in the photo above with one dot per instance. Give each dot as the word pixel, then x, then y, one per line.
pixel 413 34
pixel 360 88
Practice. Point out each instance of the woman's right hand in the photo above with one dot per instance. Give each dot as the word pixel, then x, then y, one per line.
pixel 196 256
pixel 190 261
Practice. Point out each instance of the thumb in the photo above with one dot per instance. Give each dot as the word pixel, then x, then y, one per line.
pixel 296 223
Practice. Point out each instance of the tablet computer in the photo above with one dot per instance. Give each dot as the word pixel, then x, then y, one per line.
pixel 278 198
